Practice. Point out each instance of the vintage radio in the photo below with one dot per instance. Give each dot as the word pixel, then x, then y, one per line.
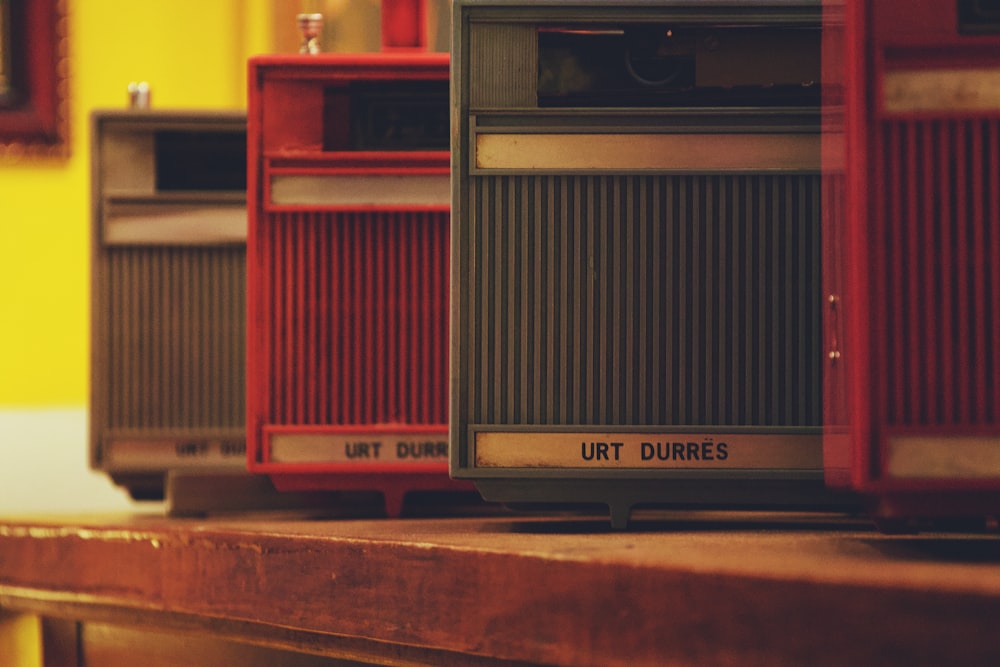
pixel 636 253
pixel 348 271
pixel 920 259
pixel 168 295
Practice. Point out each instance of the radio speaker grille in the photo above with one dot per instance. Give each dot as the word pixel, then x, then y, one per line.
pixel 507 81
pixel 939 278
pixel 646 300
pixel 357 310
pixel 175 341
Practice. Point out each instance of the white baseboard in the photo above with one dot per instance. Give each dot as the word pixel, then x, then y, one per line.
pixel 44 469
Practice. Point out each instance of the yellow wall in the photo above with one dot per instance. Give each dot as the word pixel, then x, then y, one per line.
pixel 193 54
pixel 20 640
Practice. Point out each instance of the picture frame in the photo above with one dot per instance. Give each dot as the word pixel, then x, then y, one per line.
pixel 33 78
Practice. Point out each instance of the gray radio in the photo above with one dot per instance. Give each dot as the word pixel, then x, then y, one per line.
pixel 636 253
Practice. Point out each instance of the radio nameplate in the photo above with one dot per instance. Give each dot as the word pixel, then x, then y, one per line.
pixel 647 449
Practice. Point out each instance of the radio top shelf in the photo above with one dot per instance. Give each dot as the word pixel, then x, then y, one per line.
pixel 169 177
pixel 347 103
pixel 174 153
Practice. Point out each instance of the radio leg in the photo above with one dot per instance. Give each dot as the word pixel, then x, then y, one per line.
pixel 393 503
pixel 620 513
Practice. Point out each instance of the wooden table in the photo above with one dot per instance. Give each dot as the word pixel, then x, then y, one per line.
pixel 700 589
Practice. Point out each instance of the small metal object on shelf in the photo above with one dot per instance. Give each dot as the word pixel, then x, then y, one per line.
pixel 311 26
pixel 138 95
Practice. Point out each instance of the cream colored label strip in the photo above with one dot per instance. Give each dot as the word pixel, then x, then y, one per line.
pixel 952 89
pixel 361 190
pixel 174 453
pixel 945 457
pixel 359 448
pixel 174 224
pixel 511 449
pixel 714 152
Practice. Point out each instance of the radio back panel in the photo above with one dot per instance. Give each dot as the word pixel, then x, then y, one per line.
pixel 348 296
pixel 922 305
pixel 636 252
pixel 168 295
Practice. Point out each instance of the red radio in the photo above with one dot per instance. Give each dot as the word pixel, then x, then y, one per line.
pixel 914 337
pixel 347 289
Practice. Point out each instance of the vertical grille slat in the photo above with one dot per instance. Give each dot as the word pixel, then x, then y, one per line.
pixel 295 324
pixel 963 316
pixel 979 303
pixel 626 344
pixel 939 283
pixel 651 300
pixel 929 277
pixel 899 319
pixel 550 385
pixel 309 308
pixel 511 267
pixel 362 338
pixel 946 146
pixel 992 282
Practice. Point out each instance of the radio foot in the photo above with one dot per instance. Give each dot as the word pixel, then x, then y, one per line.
pixel 620 513
pixel 393 502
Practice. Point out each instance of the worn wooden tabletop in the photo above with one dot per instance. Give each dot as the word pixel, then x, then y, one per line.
pixel 679 588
